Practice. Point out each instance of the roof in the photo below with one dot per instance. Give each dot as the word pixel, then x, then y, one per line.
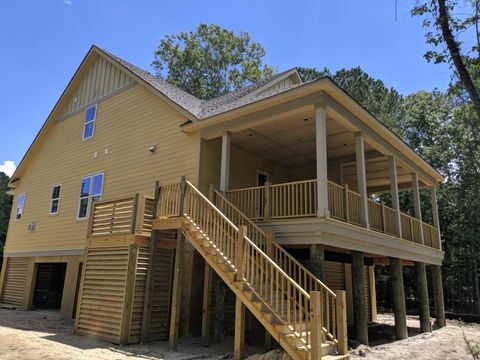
pixel 202 109
pixel 198 109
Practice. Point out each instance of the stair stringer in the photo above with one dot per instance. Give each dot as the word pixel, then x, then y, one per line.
pixel 264 316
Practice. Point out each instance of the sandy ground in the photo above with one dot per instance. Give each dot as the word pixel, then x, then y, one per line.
pixel 35 335
pixel 455 341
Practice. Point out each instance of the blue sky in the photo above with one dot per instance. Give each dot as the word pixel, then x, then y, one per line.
pixel 43 42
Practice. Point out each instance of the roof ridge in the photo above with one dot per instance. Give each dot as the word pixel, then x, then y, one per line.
pixel 198 107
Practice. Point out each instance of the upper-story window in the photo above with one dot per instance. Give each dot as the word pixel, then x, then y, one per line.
pixel 89 122
pixel 20 205
pixel 90 191
pixel 55 200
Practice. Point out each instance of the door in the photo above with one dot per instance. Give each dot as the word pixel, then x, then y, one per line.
pixel 262 177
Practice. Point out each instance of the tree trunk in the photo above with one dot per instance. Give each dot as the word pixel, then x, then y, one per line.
pixel 477 289
pixel 456 56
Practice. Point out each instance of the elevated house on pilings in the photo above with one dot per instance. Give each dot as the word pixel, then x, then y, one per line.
pixel 148 214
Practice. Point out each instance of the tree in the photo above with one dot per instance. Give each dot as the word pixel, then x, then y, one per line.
pixel 5 208
pixel 445 29
pixel 384 103
pixel 210 61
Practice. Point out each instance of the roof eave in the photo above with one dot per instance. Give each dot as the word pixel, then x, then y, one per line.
pixel 329 86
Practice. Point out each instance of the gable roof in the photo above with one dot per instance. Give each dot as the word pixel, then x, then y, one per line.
pixel 197 109
pixel 189 105
pixel 201 109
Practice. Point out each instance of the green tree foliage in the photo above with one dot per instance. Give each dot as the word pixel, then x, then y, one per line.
pixel 210 61
pixel 384 103
pixel 439 127
pixel 5 207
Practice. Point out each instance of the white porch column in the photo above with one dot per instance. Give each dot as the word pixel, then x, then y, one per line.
pixel 436 221
pixel 362 176
pixel 225 162
pixel 416 202
pixel 321 147
pixel 394 192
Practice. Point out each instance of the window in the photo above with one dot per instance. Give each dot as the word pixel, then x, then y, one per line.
pixel 89 122
pixel 55 201
pixel 90 191
pixel 20 204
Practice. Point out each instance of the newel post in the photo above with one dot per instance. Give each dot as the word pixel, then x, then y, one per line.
pixel 345 198
pixel 316 324
pixel 341 314
pixel 183 188
pixel 267 199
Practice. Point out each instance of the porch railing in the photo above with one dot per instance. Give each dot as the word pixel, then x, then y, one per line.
pixel 130 215
pixel 299 199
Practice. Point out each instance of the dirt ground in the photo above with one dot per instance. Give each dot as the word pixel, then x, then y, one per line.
pixel 36 335
pixel 455 341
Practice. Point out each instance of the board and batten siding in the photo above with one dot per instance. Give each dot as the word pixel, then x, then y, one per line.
pixel 126 125
pixel 289 81
pixel 101 79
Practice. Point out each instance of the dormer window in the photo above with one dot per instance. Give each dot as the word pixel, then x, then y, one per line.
pixel 89 122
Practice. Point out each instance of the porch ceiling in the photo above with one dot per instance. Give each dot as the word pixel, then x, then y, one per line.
pixel 290 142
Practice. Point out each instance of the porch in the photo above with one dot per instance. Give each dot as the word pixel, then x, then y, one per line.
pixel 316 174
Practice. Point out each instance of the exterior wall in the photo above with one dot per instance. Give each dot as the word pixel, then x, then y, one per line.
pixel 338 276
pixel 102 78
pixel 18 285
pixel 126 124
pixel 243 166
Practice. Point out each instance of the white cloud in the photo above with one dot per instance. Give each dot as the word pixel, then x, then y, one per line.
pixel 8 167
pixel 68 2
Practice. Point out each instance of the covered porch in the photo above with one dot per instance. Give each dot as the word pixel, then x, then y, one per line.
pixel 316 162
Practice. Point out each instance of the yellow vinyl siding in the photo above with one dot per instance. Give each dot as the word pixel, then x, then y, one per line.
pixel 243 167
pixel 102 78
pixel 126 125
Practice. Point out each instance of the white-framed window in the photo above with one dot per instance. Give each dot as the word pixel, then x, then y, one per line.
pixel 20 205
pixel 55 199
pixel 90 190
pixel 89 122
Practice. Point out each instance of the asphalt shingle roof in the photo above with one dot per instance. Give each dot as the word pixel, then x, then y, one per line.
pixel 202 109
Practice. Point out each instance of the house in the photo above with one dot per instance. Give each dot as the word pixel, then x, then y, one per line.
pixel 146 213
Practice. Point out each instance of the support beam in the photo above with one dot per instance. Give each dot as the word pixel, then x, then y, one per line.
pixel 225 162
pixel 360 313
pixel 207 290
pixel 239 339
pixel 362 176
pixel 322 170
pixel 149 281
pixel 268 341
pixel 438 295
pixel 394 193
pixel 317 260
pixel 416 203
pixel 436 221
pixel 177 279
pixel 341 314
pixel 316 309
pixel 399 308
pixel 422 295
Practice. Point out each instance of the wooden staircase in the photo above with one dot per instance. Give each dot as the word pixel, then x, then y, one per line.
pixel 305 317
